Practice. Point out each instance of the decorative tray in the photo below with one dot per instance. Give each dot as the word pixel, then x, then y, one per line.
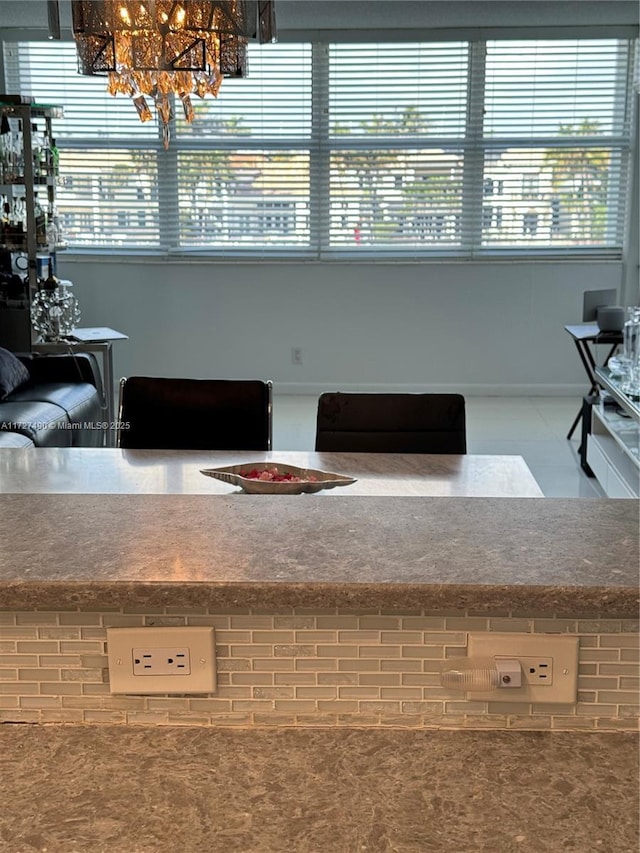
pixel 307 479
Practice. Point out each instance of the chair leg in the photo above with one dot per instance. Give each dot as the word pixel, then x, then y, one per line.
pixel 269 384
pixel 123 382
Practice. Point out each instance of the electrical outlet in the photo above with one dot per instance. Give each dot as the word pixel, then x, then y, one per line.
pixel 549 665
pixel 168 661
pixel 161 660
pixel 537 670
pixel 296 355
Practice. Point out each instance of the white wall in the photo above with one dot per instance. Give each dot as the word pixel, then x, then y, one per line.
pixel 478 328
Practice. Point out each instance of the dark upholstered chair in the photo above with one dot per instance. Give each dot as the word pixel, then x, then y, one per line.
pixel 194 414
pixel 391 423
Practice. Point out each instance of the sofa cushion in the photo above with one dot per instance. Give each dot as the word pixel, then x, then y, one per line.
pixel 81 402
pixel 45 424
pixel 78 400
pixel 13 373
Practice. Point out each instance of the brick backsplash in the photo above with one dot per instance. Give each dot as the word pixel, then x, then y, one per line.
pixel 309 668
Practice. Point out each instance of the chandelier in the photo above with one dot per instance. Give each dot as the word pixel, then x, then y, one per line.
pixel 158 48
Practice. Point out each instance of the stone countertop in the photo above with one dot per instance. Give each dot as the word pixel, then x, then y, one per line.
pixel 118 789
pixel 561 556
pixel 107 470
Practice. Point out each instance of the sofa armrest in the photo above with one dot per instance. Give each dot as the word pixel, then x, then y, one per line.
pixel 64 367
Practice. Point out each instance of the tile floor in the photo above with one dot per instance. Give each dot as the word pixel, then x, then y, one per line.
pixel 532 427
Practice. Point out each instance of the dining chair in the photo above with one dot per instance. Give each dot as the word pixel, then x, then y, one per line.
pixel 156 413
pixel 391 423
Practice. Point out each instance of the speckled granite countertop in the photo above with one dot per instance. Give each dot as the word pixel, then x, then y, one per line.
pixel 557 556
pixel 106 789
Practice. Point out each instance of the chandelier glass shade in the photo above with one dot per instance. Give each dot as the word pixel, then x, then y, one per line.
pixel 158 48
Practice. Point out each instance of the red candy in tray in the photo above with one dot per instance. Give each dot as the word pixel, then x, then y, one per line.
pixel 274 476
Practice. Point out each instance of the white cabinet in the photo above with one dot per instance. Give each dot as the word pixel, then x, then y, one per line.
pixel 613 446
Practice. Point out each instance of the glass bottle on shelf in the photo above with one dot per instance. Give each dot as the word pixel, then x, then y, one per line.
pixel 12 150
pixel 53 230
pixel 5 209
pixel 630 333
pixel 37 143
pixel 631 351
pixel 55 159
pixel 50 282
pixel 45 155
pixel 40 220
pixel 5 135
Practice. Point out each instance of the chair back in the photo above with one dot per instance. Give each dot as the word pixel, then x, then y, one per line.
pixel 156 413
pixel 391 423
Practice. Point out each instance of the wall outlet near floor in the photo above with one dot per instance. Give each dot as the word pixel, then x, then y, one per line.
pixel 296 355
pixel 161 660
pixel 549 665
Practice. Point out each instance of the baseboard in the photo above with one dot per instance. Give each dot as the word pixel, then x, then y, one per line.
pixel 317 388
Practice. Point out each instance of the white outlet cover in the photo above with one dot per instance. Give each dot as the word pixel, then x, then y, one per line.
pixel 200 642
pixel 562 648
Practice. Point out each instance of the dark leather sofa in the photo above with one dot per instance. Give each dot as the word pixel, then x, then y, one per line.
pixel 59 405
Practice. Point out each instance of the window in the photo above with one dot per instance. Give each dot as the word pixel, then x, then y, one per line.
pixel 463 149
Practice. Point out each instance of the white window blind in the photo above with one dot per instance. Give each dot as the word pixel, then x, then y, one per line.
pixel 416 150
pixel 556 143
pixel 397 116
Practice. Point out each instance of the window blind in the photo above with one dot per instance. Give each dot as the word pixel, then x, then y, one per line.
pixel 396 120
pixel 408 150
pixel 556 141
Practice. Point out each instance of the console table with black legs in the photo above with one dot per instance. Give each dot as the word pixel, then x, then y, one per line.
pixel 587 336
